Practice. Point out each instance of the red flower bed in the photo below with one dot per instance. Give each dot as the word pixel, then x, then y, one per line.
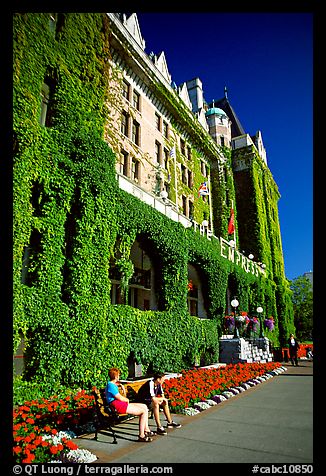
pixel 302 351
pixel 44 417
pixel 200 384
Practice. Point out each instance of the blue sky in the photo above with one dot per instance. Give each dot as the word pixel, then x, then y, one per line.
pixel 266 62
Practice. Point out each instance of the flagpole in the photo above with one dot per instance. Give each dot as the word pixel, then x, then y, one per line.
pixel 175 178
pixel 234 238
pixel 210 203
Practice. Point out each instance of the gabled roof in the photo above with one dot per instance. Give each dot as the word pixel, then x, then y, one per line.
pixel 183 93
pixel 160 63
pixel 132 25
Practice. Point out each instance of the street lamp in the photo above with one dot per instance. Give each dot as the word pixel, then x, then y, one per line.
pixel 260 310
pixel 235 304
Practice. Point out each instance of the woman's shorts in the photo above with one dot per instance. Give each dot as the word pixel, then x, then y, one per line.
pixel 119 406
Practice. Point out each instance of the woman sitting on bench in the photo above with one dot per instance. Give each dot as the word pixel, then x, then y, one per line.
pixel 122 405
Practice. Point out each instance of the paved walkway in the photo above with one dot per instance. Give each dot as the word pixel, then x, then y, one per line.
pixel 269 423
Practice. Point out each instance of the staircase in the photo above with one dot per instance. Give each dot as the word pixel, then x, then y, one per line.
pixel 242 350
pixel 254 353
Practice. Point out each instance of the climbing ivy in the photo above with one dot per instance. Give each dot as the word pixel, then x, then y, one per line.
pixel 71 222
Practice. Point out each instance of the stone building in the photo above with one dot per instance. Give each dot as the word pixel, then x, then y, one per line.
pixel 169 141
pixel 141 208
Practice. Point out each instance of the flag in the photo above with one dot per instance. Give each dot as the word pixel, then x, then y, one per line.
pixel 231 223
pixel 172 153
pixel 203 190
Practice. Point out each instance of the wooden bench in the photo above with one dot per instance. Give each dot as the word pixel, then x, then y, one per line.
pixel 106 417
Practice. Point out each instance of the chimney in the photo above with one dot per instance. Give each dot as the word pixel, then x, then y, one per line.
pixel 195 91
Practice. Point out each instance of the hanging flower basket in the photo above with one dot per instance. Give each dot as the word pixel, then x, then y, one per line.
pixel 254 324
pixel 269 323
pixel 242 319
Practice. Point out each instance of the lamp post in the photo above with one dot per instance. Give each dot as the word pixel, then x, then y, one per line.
pixel 235 304
pixel 260 310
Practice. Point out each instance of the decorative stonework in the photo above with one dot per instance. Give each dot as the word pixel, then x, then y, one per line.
pixel 233 350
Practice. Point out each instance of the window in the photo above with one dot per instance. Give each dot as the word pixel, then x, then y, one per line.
pixel 166 158
pixel 136 133
pixel 190 181
pixel 45 96
pixel 189 153
pixel 191 210
pixel 124 123
pixel 52 22
pixel 165 130
pixel 125 89
pixel 158 148
pixel 184 205
pixel 158 122
pixel 123 163
pixel 135 170
pixel 203 168
pixel 136 100
pixel 222 141
pixel 56 23
pixel 183 147
pixel 184 174
pixel 192 299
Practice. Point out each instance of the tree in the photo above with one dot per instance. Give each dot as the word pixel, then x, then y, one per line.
pixel 302 299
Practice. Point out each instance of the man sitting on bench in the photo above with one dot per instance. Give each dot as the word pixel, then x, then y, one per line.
pixel 152 394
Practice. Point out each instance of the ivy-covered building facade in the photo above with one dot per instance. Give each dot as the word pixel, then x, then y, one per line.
pixel 125 185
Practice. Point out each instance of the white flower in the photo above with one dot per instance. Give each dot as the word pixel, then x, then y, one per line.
pixel 56 439
pixel 80 456
pixel 210 402
pixel 240 389
pixel 240 318
pixel 228 394
pixel 201 405
pixel 267 376
pixel 190 411
pixel 234 391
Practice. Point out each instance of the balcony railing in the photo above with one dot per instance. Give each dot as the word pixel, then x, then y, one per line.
pixel 164 206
